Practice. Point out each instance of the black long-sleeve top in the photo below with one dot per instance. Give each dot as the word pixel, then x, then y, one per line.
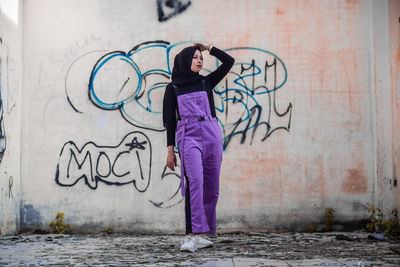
pixel 213 79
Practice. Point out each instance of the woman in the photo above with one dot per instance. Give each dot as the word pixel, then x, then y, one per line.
pixel 189 100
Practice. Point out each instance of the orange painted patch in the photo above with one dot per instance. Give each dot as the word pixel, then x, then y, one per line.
pixel 352 2
pixel 248 169
pixel 254 174
pixel 279 11
pixel 355 182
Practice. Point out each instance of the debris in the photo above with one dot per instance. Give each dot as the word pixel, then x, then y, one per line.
pixel 395 249
pixel 15 238
pixel 326 239
pixel 40 232
pixel 227 241
pixel 376 236
pixel 297 236
pixel 345 237
pixel 337 227
pixel 12 238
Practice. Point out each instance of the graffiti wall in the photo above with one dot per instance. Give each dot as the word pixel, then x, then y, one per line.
pixel 299 111
pixel 10 115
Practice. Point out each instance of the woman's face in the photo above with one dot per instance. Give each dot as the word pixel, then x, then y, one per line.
pixel 197 61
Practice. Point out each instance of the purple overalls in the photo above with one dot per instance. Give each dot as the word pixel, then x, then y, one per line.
pixel 199 139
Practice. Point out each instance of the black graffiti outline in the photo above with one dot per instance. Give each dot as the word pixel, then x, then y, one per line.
pixel 96 178
pixel 176 5
pixel 3 140
pixel 256 108
pixel 141 77
pixel 10 185
pixel 9 194
pixel 67 75
pixel 161 203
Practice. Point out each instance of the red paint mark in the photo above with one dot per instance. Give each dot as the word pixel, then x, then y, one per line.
pixel 279 11
pixel 355 182
pixel 352 2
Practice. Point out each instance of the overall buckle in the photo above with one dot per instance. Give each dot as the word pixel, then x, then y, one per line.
pixel 201 118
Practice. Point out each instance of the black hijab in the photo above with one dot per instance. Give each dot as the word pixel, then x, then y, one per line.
pixel 181 73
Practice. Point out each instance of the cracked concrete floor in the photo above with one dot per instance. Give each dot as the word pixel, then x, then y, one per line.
pixel 230 249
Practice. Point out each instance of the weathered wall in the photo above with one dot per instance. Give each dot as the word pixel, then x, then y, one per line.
pixel 383 77
pixel 308 111
pixel 394 57
pixel 10 115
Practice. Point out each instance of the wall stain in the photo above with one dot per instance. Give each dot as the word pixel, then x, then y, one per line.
pixel 355 182
pixel 30 218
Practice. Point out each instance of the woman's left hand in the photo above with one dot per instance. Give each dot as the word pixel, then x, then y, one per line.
pixel 202 46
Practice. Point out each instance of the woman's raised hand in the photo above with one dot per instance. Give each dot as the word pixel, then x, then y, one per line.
pixel 202 46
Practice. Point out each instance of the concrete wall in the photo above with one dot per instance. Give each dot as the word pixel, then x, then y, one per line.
pixel 308 111
pixel 10 114
pixel 394 58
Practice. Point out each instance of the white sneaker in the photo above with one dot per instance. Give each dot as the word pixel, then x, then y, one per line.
pixel 202 242
pixel 189 244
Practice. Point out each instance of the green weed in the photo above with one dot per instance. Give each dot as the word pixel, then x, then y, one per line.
pixel 59 227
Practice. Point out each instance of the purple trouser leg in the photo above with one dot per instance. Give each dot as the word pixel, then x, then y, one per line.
pixel 211 170
pixel 210 195
pixel 194 172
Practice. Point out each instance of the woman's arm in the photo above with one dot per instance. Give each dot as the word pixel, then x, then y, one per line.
pixel 170 107
pixel 227 62
pixel 170 121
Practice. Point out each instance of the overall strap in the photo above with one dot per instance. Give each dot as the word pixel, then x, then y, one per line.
pixel 203 85
pixel 176 89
